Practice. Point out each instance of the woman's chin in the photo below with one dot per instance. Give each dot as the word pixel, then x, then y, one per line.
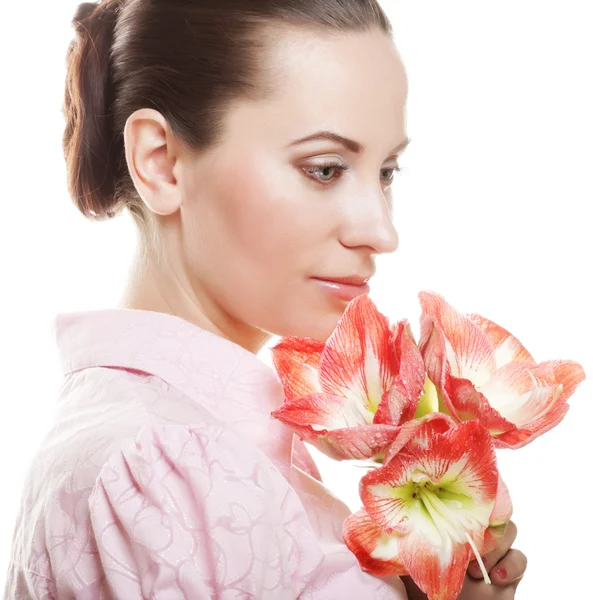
pixel 320 328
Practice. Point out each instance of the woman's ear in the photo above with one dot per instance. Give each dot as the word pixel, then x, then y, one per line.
pixel 151 158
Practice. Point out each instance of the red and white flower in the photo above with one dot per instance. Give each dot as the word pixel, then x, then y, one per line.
pixel 431 509
pixel 348 396
pixel 483 372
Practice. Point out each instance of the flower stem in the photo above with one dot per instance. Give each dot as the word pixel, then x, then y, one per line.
pixel 479 559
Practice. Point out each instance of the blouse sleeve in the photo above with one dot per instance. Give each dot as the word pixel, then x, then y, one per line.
pixel 194 512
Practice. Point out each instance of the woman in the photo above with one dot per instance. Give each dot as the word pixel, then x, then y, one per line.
pixel 164 475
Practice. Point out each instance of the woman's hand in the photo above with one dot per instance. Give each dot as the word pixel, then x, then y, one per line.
pixel 505 566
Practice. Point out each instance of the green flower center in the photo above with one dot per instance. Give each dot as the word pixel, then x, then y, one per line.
pixel 451 512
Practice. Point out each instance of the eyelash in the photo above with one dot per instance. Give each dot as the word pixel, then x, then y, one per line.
pixel 342 169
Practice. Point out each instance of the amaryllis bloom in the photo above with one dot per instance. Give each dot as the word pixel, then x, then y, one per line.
pixel 483 372
pixel 430 510
pixel 348 396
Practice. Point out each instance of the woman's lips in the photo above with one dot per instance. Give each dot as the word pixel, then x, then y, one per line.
pixel 344 291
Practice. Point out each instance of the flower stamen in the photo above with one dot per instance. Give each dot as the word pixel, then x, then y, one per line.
pixel 479 559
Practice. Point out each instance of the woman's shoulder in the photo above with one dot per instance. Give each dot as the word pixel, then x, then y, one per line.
pixel 100 411
pixel 179 465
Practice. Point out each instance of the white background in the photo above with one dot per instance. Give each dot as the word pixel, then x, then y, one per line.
pixel 493 210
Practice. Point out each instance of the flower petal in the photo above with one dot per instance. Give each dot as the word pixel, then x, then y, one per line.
pixel 568 373
pixel 358 361
pixel 501 515
pixel 376 551
pixel 522 436
pixel 547 420
pixel 320 412
pixel 297 363
pixel 336 427
pixel 356 443
pixel 470 404
pixel 509 388
pixel 437 354
pixel 533 398
pixel 411 369
pixel 503 508
pixel 418 433
pixel 395 406
pixel 519 395
pixel 438 580
pixel 507 348
pixel 473 351
pixel 399 403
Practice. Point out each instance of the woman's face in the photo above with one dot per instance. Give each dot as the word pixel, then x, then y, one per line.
pixel 262 215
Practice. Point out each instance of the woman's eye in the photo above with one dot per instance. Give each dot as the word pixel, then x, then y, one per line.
pixel 390 173
pixel 326 173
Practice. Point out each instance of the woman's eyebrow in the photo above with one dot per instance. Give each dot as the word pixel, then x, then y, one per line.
pixel 351 145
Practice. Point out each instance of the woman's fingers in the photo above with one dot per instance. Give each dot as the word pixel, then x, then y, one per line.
pixel 492 558
pixel 510 568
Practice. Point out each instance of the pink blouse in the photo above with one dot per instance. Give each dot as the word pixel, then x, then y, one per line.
pixel 165 477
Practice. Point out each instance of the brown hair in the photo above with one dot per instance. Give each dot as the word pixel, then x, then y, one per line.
pixel 188 59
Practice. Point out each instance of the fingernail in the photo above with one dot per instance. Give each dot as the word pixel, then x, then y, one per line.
pixel 501 572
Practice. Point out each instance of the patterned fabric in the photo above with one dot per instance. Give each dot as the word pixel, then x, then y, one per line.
pixel 165 477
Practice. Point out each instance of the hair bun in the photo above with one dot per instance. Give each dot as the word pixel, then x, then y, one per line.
pixel 88 143
pixel 84 11
pixel 87 12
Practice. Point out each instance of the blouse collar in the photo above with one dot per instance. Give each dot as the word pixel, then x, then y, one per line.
pixel 233 384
